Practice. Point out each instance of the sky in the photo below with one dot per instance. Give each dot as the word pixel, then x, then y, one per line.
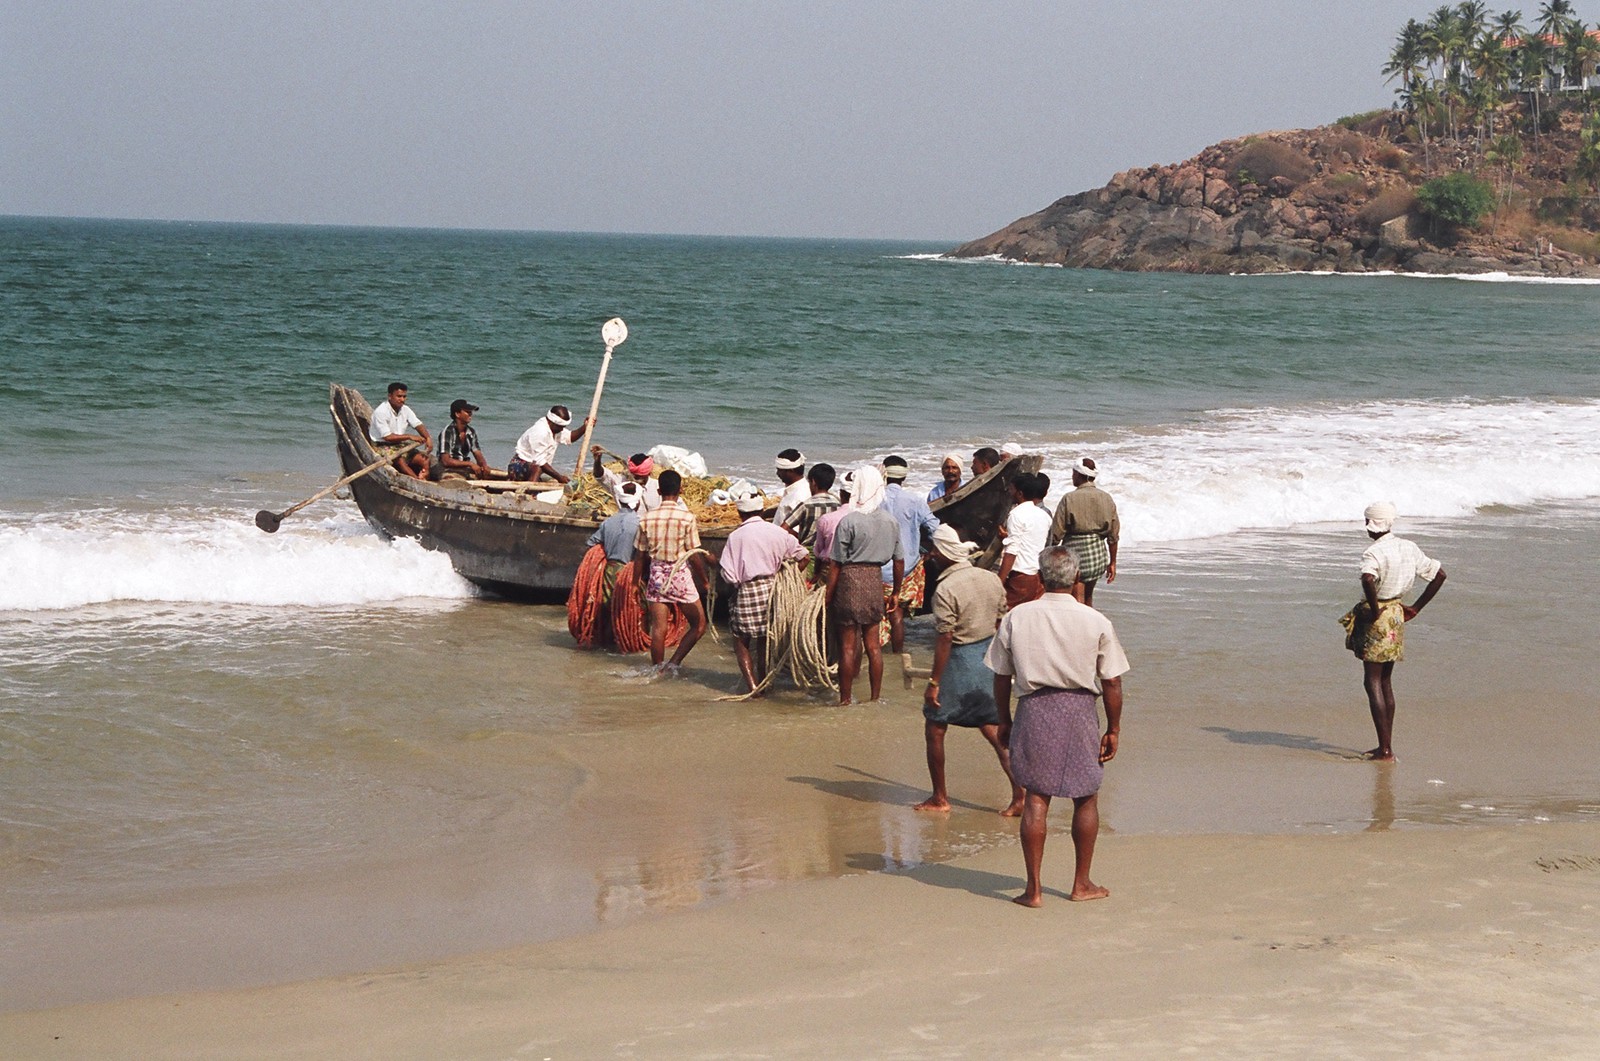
pixel 938 121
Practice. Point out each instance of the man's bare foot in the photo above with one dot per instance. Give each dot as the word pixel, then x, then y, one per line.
pixel 845 702
pixel 934 804
pixel 1012 811
pixel 1032 900
pixel 1091 891
pixel 1378 755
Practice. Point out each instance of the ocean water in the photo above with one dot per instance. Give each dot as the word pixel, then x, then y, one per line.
pixel 192 709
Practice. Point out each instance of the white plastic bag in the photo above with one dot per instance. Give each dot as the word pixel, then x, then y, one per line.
pixel 680 460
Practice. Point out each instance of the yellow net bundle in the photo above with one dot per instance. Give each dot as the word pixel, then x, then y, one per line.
pixel 587 494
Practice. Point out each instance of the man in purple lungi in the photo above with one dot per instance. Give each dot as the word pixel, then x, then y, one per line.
pixel 1061 656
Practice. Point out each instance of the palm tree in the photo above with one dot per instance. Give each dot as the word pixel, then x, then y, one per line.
pixel 1443 42
pixel 1587 163
pixel 1491 70
pixel 1406 59
pixel 1582 51
pixel 1531 71
pixel 1508 26
pixel 1473 17
pixel 1553 17
pixel 1505 151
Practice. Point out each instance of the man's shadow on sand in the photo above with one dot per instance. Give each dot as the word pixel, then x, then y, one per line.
pixel 872 789
pixel 1272 739
pixel 979 882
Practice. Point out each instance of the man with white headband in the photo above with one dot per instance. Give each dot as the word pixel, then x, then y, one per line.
pixel 1375 628
pixel 791 467
pixel 903 594
pixel 750 562
pixel 867 538
pixel 616 534
pixel 966 609
pixel 950 477
pixel 1086 522
pixel 638 468
pixel 537 446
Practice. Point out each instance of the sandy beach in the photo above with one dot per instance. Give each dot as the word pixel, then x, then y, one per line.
pixel 1433 943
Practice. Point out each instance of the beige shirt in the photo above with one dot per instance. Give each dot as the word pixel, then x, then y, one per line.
pixel 967 603
pixel 1396 563
pixel 1056 643
pixel 1086 510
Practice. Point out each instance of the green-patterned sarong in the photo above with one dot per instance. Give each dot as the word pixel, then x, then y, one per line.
pixel 1093 554
pixel 1381 641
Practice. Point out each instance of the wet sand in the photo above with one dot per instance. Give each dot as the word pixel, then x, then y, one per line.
pixel 1448 943
pixel 501 825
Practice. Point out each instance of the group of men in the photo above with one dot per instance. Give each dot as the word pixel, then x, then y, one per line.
pixel 398 433
pixel 874 545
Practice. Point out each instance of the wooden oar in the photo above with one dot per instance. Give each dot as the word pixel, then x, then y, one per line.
pixel 613 333
pixel 268 521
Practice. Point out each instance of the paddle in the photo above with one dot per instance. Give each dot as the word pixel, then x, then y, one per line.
pixel 268 521
pixel 614 333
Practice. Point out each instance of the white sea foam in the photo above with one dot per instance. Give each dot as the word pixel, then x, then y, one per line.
pixel 1274 468
pixel 981 259
pixel 1483 278
pixel 59 562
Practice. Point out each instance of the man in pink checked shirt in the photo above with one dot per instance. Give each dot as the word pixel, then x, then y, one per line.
pixel 750 563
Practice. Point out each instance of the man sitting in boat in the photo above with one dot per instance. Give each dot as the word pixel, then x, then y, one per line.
pixel 537 446
pixel 459 453
pixel 639 466
pixel 394 425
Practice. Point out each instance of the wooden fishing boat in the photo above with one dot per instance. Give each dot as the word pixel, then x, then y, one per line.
pixel 513 544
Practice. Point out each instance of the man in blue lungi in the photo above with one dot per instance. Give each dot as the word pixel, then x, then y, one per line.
pixel 1061 656
pixel 966 608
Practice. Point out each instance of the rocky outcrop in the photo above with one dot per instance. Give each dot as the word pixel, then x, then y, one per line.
pixel 1328 199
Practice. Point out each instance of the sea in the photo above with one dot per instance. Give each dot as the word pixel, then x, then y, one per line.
pixel 229 757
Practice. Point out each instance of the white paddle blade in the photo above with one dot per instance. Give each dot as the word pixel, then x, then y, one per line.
pixel 614 331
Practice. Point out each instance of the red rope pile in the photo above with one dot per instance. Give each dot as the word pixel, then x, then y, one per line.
pixel 583 603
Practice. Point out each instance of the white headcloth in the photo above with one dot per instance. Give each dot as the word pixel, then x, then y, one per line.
pixel 1011 449
pixel 948 541
pixel 750 502
pixel 557 419
pixel 628 495
pixel 1380 516
pixel 866 493
pixel 961 462
pixel 791 465
pixel 1082 468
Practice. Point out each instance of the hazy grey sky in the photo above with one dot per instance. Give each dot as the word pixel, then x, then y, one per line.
pixel 939 120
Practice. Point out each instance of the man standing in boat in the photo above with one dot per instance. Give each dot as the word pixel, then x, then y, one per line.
pixel 639 466
pixel 394 424
pixel 791 466
pixel 536 449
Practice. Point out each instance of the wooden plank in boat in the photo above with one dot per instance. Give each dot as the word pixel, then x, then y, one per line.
pixel 504 484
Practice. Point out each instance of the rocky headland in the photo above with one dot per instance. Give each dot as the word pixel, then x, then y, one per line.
pixel 1332 199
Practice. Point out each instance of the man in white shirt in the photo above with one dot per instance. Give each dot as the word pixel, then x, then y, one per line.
pixel 1061 657
pixel 791 466
pixel 1376 627
pixel 536 449
pixel 1027 527
pixel 394 425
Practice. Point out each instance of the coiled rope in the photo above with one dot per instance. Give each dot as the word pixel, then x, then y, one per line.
pixel 797 634
pixel 584 602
